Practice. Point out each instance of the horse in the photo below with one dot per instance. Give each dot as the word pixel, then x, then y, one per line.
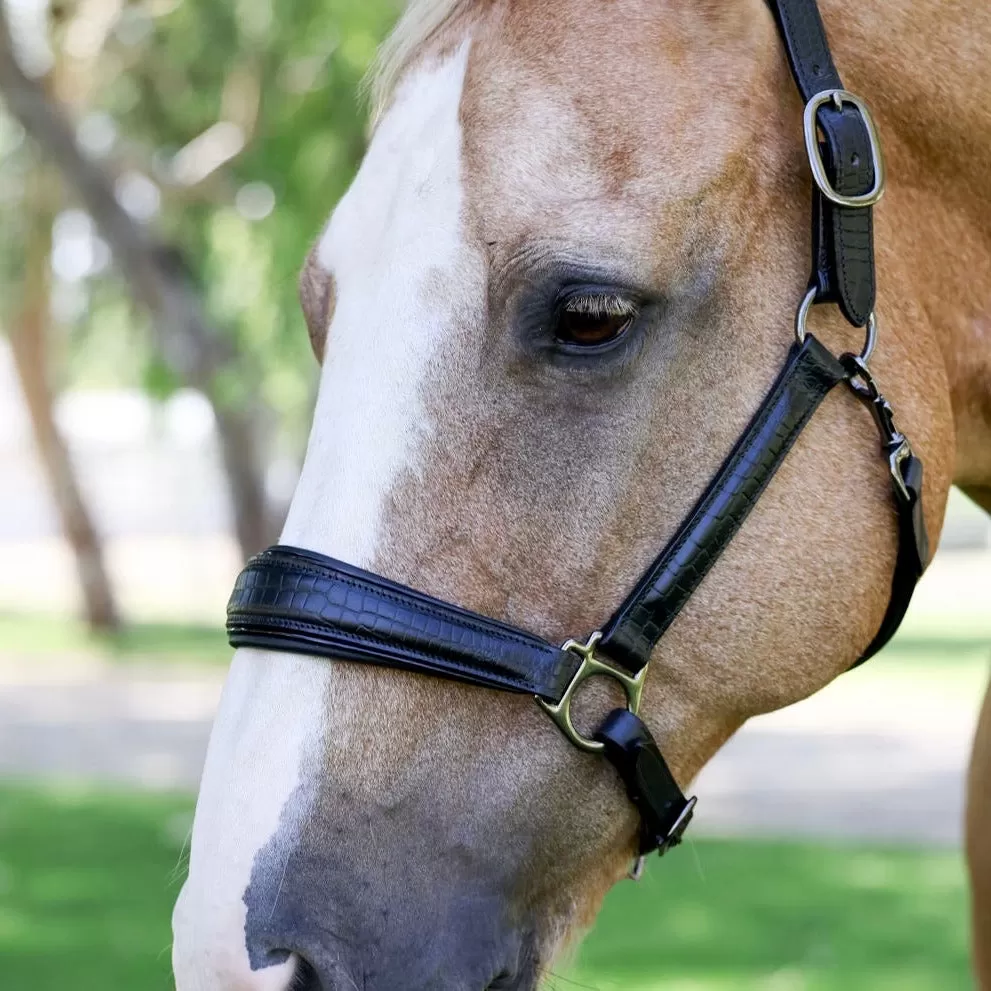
pixel 562 281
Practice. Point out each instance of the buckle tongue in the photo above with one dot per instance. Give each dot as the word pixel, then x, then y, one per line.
pixel 591 667
pixel 839 97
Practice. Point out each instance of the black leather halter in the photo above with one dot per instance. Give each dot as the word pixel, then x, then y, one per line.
pixel 296 600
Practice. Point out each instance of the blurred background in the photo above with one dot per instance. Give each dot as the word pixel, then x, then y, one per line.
pixel 164 166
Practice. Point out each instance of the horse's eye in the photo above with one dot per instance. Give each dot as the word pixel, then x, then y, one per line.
pixel 590 320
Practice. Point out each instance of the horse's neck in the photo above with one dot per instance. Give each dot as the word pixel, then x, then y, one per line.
pixel 924 66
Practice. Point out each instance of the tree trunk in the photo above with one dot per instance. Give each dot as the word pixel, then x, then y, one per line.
pixel 239 450
pixel 28 339
pixel 193 348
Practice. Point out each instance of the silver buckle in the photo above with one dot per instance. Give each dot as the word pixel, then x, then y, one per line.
pixel 838 97
pixel 637 868
pixel 896 459
pixel 591 667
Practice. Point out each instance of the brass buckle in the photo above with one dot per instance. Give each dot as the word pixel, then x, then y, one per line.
pixel 838 97
pixel 591 667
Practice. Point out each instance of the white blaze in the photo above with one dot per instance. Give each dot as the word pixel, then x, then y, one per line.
pixel 398 227
pixel 394 241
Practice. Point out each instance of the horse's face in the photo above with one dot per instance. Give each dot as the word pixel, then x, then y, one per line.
pixel 561 283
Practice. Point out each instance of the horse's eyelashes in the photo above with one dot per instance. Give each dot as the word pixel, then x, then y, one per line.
pixel 587 319
pixel 600 305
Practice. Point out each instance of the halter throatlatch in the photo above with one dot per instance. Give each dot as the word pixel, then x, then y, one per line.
pixel 296 600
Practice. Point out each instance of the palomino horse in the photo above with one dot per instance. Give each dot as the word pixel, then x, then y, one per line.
pixel 560 286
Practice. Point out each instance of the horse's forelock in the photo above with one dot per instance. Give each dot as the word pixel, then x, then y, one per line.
pixel 421 20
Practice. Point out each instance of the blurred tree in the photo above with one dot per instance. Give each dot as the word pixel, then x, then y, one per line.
pixel 235 127
pixel 186 340
pixel 29 341
pixel 246 117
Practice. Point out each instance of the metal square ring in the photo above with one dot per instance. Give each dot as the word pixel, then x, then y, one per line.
pixel 591 667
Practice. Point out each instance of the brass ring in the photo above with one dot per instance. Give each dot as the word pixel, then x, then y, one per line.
pixel 590 667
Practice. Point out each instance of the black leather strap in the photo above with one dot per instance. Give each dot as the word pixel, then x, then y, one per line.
pixel 297 600
pixel 842 237
pixel 664 811
pixel 913 552
pixel 634 629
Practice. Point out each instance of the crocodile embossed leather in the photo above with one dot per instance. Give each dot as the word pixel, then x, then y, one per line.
pixel 332 609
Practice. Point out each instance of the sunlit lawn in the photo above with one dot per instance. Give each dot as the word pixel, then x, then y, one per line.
pixel 87 882
pixel 39 635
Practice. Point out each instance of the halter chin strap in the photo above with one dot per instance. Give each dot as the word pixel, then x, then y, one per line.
pixel 639 623
pixel 296 600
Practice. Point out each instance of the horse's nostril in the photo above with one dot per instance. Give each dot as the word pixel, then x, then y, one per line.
pixel 502 982
pixel 522 972
pixel 305 978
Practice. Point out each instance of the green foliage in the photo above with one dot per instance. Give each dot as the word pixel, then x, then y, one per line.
pixel 87 883
pixel 157 379
pixel 288 77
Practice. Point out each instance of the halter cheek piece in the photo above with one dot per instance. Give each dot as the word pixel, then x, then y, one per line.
pixel 295 600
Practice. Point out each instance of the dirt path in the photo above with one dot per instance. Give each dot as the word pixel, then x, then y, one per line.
pixel 140 725
pixel 870 757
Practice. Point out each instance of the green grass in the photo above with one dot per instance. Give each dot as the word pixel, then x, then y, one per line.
pixel 87 882
pixel 39 635
pixel 784 917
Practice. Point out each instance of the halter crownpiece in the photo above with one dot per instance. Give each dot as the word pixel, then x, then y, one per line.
pixel 295 600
